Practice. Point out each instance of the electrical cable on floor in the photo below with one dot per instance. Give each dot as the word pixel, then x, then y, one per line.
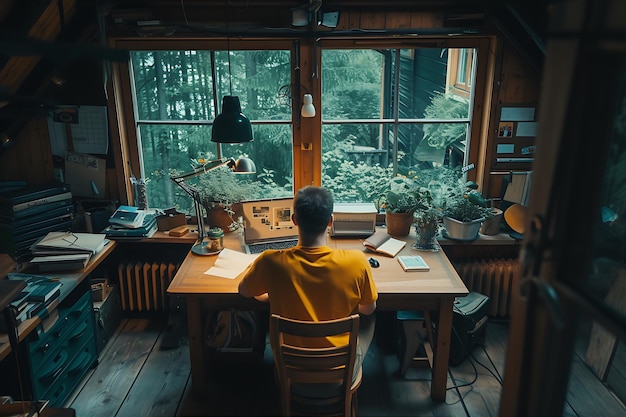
pixel 495 374
pixel 465 384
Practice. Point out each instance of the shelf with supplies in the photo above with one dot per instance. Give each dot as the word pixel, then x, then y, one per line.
pixel 59 347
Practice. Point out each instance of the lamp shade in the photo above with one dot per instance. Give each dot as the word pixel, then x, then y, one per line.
pixel 244 166
pixel 308 110
pixel 231 126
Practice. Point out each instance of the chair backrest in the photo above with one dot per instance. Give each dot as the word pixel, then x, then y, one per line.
pixel 315 381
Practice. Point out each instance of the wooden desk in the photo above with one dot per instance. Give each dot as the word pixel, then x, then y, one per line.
pixel 397 290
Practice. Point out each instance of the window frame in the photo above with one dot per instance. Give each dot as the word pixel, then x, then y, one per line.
pixel 307 161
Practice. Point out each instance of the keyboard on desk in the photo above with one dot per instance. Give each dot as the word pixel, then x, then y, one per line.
pixel 262 246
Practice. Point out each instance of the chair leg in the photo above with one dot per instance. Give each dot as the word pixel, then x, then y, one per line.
pixel 354 405
pixel 413 339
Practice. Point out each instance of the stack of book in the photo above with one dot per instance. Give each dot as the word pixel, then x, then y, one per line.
pixel 129 222
pixel 38 299
pixel 28 213
pixel 64 251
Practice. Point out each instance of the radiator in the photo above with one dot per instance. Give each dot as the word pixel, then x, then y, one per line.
pixel 143 285
pixel 494 278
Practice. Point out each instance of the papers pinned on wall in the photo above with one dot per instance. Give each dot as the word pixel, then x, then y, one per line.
pixel 83 129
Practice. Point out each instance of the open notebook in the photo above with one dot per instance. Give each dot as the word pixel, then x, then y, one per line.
pixel 268 225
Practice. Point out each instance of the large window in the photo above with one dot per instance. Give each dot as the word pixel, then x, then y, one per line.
pixel 178 94
pixel 383 112
pixel 388 112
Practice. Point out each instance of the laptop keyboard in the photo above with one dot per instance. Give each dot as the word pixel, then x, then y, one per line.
pixel 283 244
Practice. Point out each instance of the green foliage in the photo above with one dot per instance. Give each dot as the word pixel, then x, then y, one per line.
pixel 404 195
pixel 445 106
pixel 221 187
pixel 428 218
pixel 464 210
pixel 466 204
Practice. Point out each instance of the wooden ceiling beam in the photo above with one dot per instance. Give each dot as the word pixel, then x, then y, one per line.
pixel 46 27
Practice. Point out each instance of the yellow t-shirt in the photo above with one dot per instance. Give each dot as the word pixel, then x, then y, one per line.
pixel 313 284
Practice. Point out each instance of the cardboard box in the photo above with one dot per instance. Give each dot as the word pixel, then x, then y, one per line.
pixel 86 174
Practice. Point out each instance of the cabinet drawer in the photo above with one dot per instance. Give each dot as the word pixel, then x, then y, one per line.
pixel 59 389
pixel 72 323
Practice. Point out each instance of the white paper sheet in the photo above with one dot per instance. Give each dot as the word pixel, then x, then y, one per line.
pixel 230 264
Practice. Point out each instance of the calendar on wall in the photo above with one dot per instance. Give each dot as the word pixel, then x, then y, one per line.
pixel 82 129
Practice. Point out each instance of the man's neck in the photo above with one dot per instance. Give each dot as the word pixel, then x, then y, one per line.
pixel 313 241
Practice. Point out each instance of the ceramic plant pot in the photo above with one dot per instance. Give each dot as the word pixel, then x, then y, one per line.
pixel 491 226
pixel 457 230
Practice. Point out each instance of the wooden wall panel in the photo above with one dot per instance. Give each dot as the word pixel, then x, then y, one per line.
pixel 30 158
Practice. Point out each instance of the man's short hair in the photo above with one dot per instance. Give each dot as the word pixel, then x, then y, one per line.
pixel 313 207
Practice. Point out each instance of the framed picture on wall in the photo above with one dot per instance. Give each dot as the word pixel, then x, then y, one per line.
pixel 505 129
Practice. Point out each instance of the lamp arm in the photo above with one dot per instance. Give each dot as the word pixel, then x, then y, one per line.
pixel 193 191
pixel 197 204
pixel 203 169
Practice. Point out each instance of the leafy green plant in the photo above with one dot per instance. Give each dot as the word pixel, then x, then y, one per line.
pixel 467 205
pixel 222 188
pixel 428 218
pixel 403 195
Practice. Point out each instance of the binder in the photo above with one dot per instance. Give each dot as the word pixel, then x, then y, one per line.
pixel 40 209
pixel 25 194
pixel 9 221
pixel 41 201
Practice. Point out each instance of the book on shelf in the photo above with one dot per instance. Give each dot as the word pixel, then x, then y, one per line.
pixel 43 291
pixel 35 210
pixel 413 263
pixel 129 217
pixel 13 223
pixel 70 242
pixel 25 194
pixel 382 242
pixel 61 262
pixel 35 224
pixel 20 302
pixel 147 229
pixel 41 201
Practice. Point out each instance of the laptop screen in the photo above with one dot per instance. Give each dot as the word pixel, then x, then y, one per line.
pixel 267 220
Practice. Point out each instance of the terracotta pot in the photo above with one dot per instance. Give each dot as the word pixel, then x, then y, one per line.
pixel 217 217
pixel 398 224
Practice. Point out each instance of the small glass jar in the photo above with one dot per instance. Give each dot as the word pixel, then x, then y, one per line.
pixel 216 240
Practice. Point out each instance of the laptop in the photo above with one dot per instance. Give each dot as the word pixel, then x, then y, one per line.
pixel 268 225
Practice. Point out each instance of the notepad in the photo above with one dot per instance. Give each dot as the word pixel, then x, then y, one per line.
pixel 413 263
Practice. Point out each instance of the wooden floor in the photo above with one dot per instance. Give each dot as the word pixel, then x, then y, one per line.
pixel 136 376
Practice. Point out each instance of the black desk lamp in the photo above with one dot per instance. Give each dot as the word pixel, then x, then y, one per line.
pixel 241 166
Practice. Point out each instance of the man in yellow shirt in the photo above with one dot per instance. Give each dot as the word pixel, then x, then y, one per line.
pixel 311 281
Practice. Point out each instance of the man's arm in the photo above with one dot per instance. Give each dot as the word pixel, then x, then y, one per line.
pixel 367 309
pixel 243 291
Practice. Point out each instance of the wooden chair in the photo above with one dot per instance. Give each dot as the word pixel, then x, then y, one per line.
pixel 316 381
pixel 417 328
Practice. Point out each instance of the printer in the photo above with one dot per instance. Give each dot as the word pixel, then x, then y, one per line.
pixel 353 219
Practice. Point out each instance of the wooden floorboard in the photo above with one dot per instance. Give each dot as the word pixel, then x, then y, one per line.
pixel 135 377
pixel 163 377
pixel 108 386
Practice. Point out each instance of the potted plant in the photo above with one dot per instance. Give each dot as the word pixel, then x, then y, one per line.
pixel 426 228
pixel 400 201
pixel 464 213
pixel 221 192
